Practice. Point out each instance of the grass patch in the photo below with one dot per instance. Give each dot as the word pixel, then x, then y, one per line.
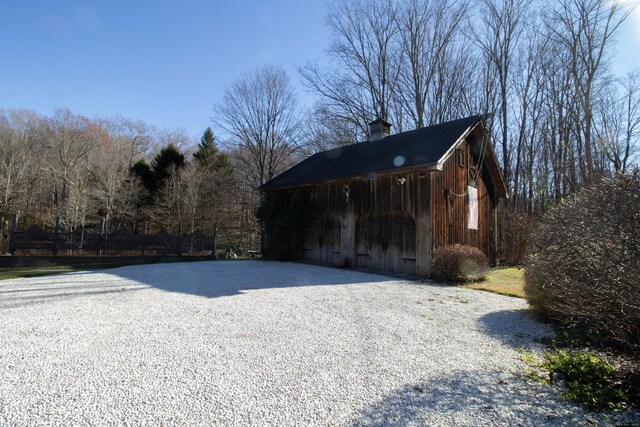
pixel 16 273
pixel 502 280
pixel 46 270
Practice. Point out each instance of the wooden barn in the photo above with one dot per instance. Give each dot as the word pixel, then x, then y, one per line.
pixel 387 203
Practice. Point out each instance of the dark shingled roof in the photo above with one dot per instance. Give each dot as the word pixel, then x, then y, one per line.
pixel 424 146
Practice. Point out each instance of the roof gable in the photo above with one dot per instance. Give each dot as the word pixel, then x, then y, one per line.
pixel 426 147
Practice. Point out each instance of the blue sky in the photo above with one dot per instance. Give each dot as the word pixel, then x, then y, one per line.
pixel 164 62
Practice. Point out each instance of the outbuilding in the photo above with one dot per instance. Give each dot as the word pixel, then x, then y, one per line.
pixel 388 202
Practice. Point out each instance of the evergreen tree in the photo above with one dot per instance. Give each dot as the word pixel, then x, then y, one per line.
pixel 206 148
pixel 166 162
pixel 153 176
pixel 142 170
pixel 212 163
pixel 209 157
pixel 215 175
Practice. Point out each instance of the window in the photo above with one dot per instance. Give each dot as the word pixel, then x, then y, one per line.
pixel 460 155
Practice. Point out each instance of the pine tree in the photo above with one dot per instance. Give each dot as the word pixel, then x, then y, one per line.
pixel 153 176
pixel 166 162
pixel 210 159
pixel 142 170
pixel 215 176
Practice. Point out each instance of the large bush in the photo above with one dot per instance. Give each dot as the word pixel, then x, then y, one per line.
pixel 459 263
pixel 584 264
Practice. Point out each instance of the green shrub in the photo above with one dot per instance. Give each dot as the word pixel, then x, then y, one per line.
pixel 589 380
pixel 459 263
pixel 584 262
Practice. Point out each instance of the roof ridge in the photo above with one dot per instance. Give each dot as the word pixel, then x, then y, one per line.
pixel 417 147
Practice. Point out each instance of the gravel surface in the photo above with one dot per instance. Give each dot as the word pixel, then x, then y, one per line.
pixel 265 343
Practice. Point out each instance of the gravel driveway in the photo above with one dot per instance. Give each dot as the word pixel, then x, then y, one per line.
pixel 265 343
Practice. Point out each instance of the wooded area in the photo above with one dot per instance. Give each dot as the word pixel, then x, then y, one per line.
pixel 561 117
pixel 118 170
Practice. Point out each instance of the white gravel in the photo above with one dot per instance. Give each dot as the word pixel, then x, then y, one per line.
pixel 264 343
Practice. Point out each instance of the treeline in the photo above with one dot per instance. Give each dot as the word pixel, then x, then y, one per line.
pixel 121 170
pixel 561 118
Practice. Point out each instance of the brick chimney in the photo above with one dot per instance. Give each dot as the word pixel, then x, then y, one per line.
pixel 379 129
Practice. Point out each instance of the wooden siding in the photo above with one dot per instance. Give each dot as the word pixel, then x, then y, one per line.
pixel 450 205
pixel 322 240
pixel 386 241
pixel 393 222
pixel 370 223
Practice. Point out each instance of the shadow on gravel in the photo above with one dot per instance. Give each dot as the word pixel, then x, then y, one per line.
pixel 225 278
pixel 513 327
pixel 210 279
pixel 474 399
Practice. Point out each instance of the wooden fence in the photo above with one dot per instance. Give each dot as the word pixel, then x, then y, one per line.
pixel 122 240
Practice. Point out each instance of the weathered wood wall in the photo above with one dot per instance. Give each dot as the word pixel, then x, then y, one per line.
pixel 376 218
pixel 392 222
pixel 322 239
pixel 450 204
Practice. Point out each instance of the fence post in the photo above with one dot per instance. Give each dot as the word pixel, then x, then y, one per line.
pixel 191 239
pixel 103 224
pixel 214 233
pixel 72 240
pixel 56 236
pixel 144 237
pixel 14 229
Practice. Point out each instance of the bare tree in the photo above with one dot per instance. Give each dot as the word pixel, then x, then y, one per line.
pixel 169 206
pixel 631 99
pixel 499 36
pixel 178 137
pixel 428 31
pixel 361 82
pixel 19 140
pixel 323 131
pixel 529 86
pixel 453 81
pixel 77 207
pixel 70 139
pixel 114 191
pixel 585 29
pixel 133 137
pixel 240 227
pixel 259 112
pixel 618 121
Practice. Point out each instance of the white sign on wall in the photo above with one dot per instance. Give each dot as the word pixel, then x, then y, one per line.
pixel 473 208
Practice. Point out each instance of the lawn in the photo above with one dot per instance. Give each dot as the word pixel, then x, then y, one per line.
pixel 34 271
pixel 502 280
pixel 45 270
pixel 14 273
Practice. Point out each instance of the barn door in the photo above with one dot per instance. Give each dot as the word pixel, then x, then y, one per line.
pixel 321 239
pixel 386 241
